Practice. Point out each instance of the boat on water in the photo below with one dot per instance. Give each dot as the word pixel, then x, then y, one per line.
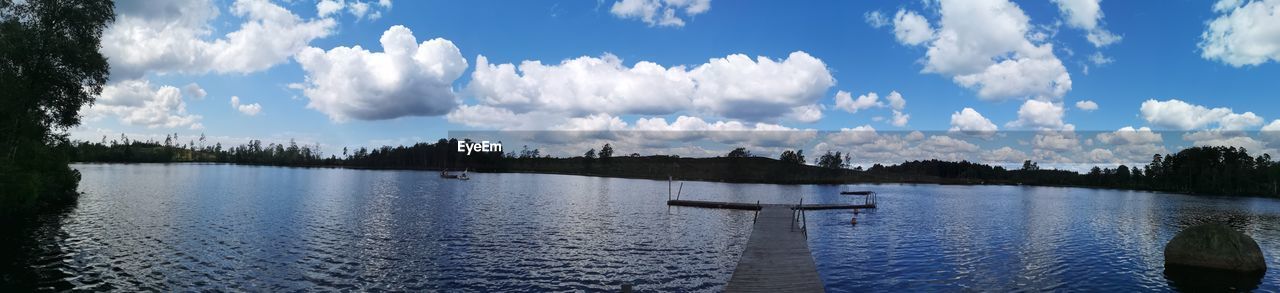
pixel 445 174
pixel 463 176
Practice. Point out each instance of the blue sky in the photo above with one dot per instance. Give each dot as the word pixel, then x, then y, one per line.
pixel 1159 55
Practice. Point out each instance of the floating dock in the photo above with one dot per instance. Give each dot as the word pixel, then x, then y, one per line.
pixel 777 258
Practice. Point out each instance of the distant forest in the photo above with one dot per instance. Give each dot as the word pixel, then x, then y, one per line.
pixel 1202 170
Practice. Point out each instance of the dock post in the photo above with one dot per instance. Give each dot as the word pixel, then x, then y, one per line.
pixel 678 191
pixel 668 187
pixel 626 288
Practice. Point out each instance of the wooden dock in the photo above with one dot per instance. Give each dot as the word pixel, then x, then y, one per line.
pixel 777 257
pixel 835 206
pixel 756 206
pixel 715 204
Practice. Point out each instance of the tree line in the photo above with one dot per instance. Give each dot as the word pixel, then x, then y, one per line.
pixel 1220 170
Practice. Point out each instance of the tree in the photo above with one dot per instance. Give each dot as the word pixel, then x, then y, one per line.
pixel 739 153
pixel 1028 165
pixel 50 68
pixel 794 157
pixel 606 152
pixel 591 154
pixel 831 160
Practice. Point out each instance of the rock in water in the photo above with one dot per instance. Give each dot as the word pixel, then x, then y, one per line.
pixel 1214 246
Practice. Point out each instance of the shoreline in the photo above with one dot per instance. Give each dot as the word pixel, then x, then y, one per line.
pixel 939 181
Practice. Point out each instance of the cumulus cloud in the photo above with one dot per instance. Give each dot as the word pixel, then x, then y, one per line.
pixel 846 102
pixel 971 122
pixel 659 12
pixel 896 101
pixel 899 119
pixel 1244 33
pixel 1040 114
pixel 246 109
pixel 989 46
pixel 137 102
pixel 406 79
pixel 1086 105
pixel 734 87
pixel 173 37
pixel 1130 136
pixel 910 28
pixel 1176 114
pixel 1087 15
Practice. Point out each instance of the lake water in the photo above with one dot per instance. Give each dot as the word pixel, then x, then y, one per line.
pixel 195 227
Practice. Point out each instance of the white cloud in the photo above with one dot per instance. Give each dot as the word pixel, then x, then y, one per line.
pixel 1004 155
pixel 1176 114
pixel 805 114
pixel 1040 114
pixel 1057 141
pixel 246 109
pixel 876 19
pixel 971 122
pixel 735 87
pixel 899 119
pixel 1243 35
pixel 1098 59
pixel 1235 121
pixel 1087 15
pixel 1086 105
pixel 989 46
pixel 846 102
pixel 194 91
pixel 896 101
pixel 359 9
pixel 853 136
pixel 1271 133
pixel 406 79
pixel 1130 136
pixel 171 37
pixel 659 12
pixel 137 102
pixel 911 28
pixel 1227 138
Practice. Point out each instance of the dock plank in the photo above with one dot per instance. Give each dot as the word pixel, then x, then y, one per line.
pixel 777 257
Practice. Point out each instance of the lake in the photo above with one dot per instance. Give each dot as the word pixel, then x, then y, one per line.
pixel 192 227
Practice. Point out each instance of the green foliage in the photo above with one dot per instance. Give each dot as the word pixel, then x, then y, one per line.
pixel 49 68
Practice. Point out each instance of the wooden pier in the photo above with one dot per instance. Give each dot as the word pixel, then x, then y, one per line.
pixel 777 258
pixel 757 206
pixel 715 204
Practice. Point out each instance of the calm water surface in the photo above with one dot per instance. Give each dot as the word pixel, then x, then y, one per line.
pixel 168 227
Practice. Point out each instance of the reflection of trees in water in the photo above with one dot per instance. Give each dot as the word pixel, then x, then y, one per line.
pixel 34 258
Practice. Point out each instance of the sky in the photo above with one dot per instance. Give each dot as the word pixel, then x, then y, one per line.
pixel 1058 81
